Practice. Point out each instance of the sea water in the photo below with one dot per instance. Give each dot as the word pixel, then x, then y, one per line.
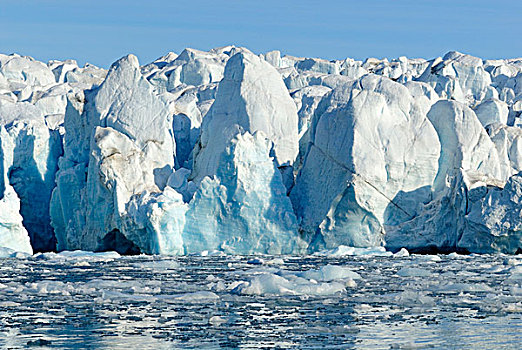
pixel 350 300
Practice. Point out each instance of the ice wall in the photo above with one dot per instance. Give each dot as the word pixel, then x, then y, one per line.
pixel 243 153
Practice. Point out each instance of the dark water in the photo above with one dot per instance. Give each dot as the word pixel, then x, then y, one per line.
pixel 109 302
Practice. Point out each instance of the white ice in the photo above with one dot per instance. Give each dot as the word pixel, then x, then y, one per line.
pixel 228 151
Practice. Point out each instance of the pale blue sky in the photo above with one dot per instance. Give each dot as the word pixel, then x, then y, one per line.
pixel 102 31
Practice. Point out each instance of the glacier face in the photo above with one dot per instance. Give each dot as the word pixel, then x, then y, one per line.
pixel 370 143
pixel 242 153
pixel 251 97
pixel 250 211
pixel 117 144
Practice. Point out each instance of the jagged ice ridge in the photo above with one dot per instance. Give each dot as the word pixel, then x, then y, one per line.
pixel 231 151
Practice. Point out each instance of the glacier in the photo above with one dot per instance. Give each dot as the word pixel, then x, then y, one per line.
pixel 230 151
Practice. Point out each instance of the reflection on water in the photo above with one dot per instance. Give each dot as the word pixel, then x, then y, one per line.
pixel 143 302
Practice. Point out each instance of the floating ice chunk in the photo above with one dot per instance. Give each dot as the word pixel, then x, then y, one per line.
pixel 512 261
pixel 275 261
pixel 120 297
pixel 343 250
pixel 268 283
pixel 256 261
pixel 413 298
pixel 327 280
pixel 264 284
pixel 10 304
pixel 456 255
pixel 194 297
pixel 516 291
pixel 50 287
pixel 428 258
pixel 217 320
pixel 78 255
pixel 465 287
pixel 329 273
pixel 402 253
pixel 414 272
pixel 515 274
pixel 159 265
pixel 209 253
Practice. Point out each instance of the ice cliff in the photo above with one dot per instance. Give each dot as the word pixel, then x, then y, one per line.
pixel 249 154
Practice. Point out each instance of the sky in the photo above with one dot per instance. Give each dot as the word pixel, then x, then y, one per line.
pixel 100 32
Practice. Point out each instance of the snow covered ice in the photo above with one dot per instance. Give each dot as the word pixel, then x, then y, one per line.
pixel 230 151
